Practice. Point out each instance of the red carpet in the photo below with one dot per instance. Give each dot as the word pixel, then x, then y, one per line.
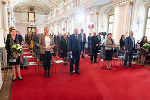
pixel 94 83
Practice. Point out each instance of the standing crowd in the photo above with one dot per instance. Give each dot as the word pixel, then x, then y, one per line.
pixel 71 47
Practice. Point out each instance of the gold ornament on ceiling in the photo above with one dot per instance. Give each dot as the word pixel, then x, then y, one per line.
pixel 3 2
pixel 131 4
pixel 31 9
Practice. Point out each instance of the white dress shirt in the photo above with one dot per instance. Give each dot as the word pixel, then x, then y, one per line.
pixel 47 41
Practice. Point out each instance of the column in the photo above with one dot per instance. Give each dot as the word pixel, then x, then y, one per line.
pixel 120 19
pixel 5 18
pixel 9 19
pixel 1 40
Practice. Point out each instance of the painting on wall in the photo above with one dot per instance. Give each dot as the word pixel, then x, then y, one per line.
pixel 31 29
pixel 31 16
pixel 91 25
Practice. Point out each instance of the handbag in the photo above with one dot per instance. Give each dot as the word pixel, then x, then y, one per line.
pixel 12 59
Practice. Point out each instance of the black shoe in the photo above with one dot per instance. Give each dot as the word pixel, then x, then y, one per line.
pixel 125 66
pixel 20 78
pixel 95 62
pixel 131 66
pixel 91 62
pixel 71 73
pixel 82 56
pixel 49 75
pixel 13 79
pixel 77 72
pixel 109 69
pixel 45 75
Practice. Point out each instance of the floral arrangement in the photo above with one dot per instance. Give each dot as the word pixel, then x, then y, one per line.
pixel 146 46
pixel 16 49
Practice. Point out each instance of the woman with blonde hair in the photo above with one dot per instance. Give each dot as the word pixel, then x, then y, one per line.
pixel 46 48
pixel 14 62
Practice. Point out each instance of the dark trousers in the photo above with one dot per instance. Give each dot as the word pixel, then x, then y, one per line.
pixel 94 53
pixel 47 61
pixel 75 60
pixel 128 56
pixel 83 47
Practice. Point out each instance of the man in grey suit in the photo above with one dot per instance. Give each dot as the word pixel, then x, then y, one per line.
pixel 130 47
pixel 36 47
pixel 83 41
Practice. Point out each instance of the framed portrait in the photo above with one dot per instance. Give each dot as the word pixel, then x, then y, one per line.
pixel 31 29
pixel 31 17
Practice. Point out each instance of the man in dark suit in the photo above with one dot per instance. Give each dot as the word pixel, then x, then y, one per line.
pixel 19 37
pixel 74 49
pixel 99 38
pixel 55 37
pixel 89 44
pixel 83 41
pixel 129 46
pixel 58 39
pixel 94 46
pixel 89 40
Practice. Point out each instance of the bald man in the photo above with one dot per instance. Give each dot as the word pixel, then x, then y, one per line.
pixel 130 47
pixel 74 49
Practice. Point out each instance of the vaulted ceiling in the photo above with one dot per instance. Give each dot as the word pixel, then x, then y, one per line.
pixel 41 6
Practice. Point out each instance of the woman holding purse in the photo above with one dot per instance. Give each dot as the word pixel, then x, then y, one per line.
pixel 46 49
pixel 13 61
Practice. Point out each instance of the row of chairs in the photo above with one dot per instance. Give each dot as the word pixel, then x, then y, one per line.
pixel 38 63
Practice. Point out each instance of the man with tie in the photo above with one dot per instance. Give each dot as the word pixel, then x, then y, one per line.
pixel 130 47
pixel 83 41
pixel 74 49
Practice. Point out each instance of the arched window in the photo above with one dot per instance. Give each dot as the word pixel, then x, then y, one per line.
pixel 110 23
pixel 147 30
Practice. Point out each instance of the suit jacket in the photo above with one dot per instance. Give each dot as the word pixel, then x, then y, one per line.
pixel 42 44
pixel 94 41
pixel 58 39
pixel 9 43
pixel 20 39
pixel 122 43
pixel 74 45
pixel 130 44
pixel 99 39
pixel 35 41
pixel 89 41
pixel 84 37
pixel 108 44
pixel 63 47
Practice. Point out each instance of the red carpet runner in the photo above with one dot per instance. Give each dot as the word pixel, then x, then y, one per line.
pixel 94 83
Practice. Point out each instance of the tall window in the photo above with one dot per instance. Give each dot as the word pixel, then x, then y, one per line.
pixel 147 32
pixel 110 23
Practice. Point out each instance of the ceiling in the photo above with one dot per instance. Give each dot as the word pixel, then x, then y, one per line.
pixel 46 6
pixel 41 6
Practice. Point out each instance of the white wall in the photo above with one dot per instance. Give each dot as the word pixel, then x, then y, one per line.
pixel 22 28
pixel 22 22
